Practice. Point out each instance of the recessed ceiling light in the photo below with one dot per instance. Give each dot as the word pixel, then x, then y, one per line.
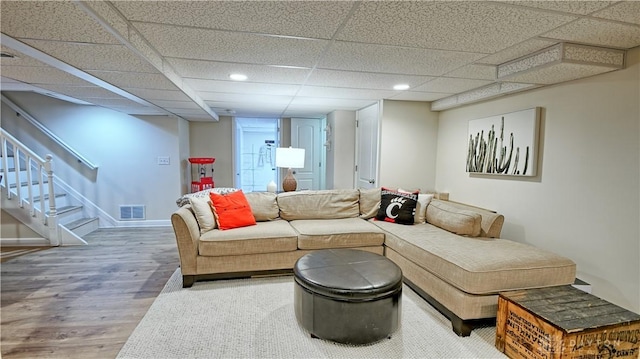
pixel 238 77
pixel 401 87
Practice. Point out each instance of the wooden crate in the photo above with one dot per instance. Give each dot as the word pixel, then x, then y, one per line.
pixel 564 322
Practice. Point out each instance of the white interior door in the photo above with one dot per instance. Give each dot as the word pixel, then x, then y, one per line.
pixel 367 147
pixel 307 133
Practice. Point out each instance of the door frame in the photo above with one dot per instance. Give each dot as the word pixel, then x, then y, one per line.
pixel 376 162
pixel 235 155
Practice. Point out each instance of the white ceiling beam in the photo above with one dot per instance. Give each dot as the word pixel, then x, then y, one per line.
pixel 116 24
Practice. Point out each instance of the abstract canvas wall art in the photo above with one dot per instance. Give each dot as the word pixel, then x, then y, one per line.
pixel 504 144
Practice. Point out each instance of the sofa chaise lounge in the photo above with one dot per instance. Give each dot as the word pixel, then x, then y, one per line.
pixel 452 255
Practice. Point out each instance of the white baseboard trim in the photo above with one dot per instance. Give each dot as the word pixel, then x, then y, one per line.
pixel 24 242
pixel 149 223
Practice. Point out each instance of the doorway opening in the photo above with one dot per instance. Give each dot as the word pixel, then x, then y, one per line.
pixel 255 140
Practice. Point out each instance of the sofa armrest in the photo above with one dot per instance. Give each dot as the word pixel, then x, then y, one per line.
pixel 187 234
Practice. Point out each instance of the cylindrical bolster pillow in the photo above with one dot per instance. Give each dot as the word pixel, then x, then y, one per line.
pixel 453 219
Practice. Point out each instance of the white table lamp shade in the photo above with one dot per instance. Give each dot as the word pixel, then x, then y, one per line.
pixel 287 157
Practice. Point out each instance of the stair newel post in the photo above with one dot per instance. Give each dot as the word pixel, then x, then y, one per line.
pixel 52 222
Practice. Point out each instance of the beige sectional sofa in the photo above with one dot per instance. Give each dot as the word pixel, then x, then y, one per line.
pixel 454 259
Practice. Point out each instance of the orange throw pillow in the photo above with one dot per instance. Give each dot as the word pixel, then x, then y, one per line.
pixel 232 210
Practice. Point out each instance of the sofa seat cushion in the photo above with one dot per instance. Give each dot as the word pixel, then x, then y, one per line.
pixel 264 237
pixel 337 233
pixel 478 265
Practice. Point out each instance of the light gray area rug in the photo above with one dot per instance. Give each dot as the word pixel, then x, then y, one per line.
pixel 254 318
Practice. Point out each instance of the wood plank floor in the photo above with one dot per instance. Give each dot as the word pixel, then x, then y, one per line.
pixel 82 301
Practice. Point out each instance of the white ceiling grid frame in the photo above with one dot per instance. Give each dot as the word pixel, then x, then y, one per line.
pixel 410 36
pixel 80 78
pixel 114 22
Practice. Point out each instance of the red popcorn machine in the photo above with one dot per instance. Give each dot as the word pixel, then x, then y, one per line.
pixel 200 167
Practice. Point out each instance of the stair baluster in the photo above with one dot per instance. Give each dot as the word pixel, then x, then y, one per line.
pixel 30 160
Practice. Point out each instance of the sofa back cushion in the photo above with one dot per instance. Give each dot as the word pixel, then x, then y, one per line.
pixel 454 219
pixel 369 202
pixel 263 205
pixel 323 204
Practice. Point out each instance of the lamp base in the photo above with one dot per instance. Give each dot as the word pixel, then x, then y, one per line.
pixel 289 182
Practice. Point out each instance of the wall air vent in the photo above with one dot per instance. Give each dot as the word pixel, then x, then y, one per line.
pixel 132 212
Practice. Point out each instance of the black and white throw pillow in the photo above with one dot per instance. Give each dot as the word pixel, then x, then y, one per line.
pixel 397 207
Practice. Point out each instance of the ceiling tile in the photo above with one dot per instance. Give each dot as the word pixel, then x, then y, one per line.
pixel 347 104
pixel 448 25
pixel 479 72
pixel 344 93
pixel 393 60
pixel 293 18
pixel 451 85
pixel 151 95
pixel 574 7
pixel 628 11
pixel 598 32
pixel 40 75
pixel 85 92
pixel 184 42
pixel 177 104
pixel 135 80
pixel 242 87
pixel 51 20
pixel 363 80
pixel 419 96
pixel 214 70
pixel 336 103
pixel 94 56
pixel 514 52
pixel 239 98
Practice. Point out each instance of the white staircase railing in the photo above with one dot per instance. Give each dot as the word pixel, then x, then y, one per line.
pixel 44 172
pixel 48 133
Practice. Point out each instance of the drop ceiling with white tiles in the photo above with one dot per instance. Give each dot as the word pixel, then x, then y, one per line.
pixel 304 58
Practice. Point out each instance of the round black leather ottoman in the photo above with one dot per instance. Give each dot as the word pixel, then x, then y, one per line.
pixel 347 295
